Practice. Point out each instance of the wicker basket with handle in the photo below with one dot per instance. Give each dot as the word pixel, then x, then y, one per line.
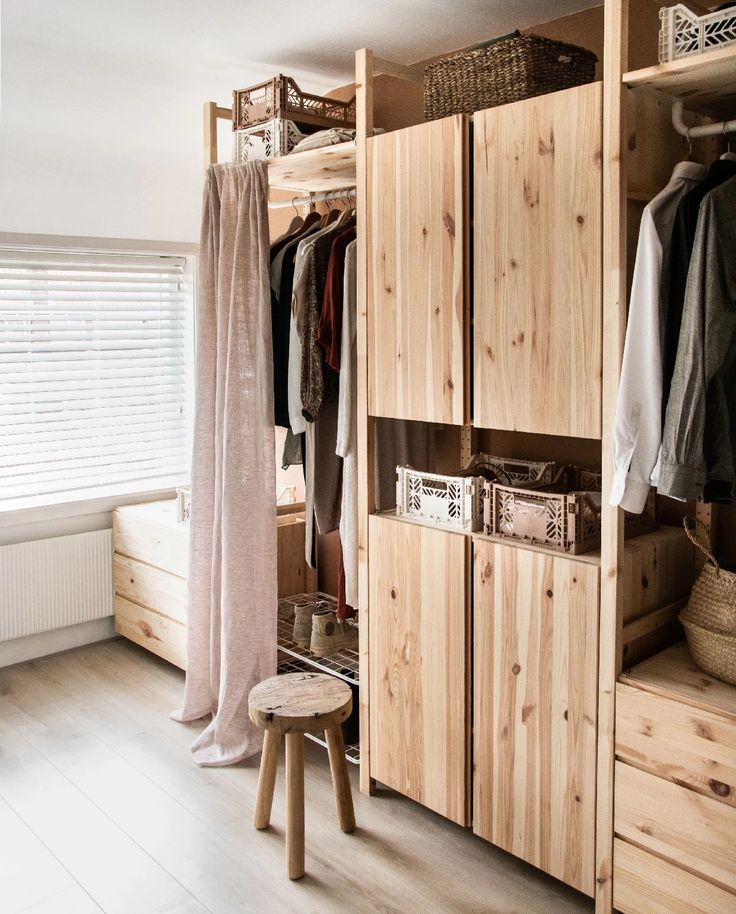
pixel 505 70
pixel 709 619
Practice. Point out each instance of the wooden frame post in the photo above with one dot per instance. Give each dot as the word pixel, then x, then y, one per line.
pixel 364 129
pixel 615 64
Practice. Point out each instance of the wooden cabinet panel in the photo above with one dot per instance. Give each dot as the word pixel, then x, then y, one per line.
pixel 688 829
pixel 537 256
pixel 149 586
pixel 157 633
pixel 684 744
pixel 150 532
pixel 416 250
pixel 534 721
pixel 418 664
pixel 645 884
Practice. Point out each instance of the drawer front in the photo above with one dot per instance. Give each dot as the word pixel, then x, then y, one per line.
pixel 151 587
pixel 678 742
pixel 156 544
pixel 151 630
pixel 645 884
pixel 684 827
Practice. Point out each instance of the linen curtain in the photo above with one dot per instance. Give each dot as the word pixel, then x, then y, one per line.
pixel 232 571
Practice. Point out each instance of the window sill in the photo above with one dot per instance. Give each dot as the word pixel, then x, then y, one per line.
pixel 79 507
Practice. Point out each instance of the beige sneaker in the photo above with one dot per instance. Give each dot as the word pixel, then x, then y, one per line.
pixel 329 635
pixel 303 621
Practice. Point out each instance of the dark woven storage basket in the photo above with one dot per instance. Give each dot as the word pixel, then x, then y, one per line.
pixel 505 71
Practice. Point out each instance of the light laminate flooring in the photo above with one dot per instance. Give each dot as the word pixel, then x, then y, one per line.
pixel 102 809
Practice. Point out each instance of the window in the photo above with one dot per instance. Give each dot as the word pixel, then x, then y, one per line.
pixel 95 363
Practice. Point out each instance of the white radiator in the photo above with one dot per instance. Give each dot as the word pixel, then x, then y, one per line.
pixel 53 583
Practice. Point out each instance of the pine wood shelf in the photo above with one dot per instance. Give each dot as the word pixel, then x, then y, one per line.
pixel 704 81
pixel 315 170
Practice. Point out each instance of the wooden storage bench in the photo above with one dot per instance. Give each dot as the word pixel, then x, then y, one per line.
pixel 675 789
pixel 150 567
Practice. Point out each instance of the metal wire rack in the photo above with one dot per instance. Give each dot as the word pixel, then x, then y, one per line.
pixel 343 663
pixel 289 664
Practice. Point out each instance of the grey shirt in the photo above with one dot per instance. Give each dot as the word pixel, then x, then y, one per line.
pixel 700 421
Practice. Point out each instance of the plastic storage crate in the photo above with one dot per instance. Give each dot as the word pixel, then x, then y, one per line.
pixel 565 516
pixel 437 498
pixel 275 138
pixel 281 97
pixel 515 472
pixel 184 504
pixel 682 33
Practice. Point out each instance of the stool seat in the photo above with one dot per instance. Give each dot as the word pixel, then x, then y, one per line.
pixel 300 703
pixel 291 705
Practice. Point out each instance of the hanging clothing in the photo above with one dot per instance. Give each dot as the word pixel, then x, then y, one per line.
pixel 329 335
pixel 347 439
pixel 699 440
pixel 677 263
pixel 231 624
pixel 637 432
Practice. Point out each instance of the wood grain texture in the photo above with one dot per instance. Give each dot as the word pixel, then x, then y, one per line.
pixel 537 337
pixel 658 568
pixel 300 702
pixel 677 742
pixel 416 250
pixel 295 805
pixel 535 636
pixel 149 586
pixel 150 532
pixel 418 670
pixel 645 884
pixel 266 779
pixel 340 779
pixel 686 828
pixel 293 572
pixel 163 636
pixel 314 170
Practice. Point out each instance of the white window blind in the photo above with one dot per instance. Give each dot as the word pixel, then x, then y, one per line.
pixel 95 359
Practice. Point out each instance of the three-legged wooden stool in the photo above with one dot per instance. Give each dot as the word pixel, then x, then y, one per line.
pixel 295 704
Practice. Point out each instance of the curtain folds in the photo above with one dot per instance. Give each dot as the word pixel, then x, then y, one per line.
pixel 232 571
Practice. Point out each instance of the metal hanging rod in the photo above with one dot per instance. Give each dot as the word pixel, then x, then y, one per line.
pixel 345 195
pixel 694 133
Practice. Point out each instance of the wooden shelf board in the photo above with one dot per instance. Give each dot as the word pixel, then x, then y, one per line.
pixel 673 674
pixel 590 558
pixel 315 170
pixel 706 81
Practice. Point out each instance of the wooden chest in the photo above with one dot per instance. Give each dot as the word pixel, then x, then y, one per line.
pixel 675 789
pixel 150 567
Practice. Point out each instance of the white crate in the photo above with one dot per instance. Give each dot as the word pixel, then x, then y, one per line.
pixel 682 33
pixel 436 498
pixel 184 504
pixel 265 141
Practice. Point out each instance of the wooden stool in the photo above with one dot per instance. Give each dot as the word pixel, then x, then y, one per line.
pixel 295 704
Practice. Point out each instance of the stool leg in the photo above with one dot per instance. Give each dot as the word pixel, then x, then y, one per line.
pixel 295 805
pixel 340 779
pixel 267 779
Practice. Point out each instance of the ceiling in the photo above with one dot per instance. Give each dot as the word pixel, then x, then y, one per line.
pixel 313 40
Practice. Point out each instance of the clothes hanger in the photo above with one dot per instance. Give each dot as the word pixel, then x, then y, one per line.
pixel 297 223
pixel 727 156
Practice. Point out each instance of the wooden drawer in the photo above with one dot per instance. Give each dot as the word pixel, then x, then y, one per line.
pixel 676 823
pixel 141 535
pixel 676 741
pixel 151 630
pixel 645 884
pixel 150 587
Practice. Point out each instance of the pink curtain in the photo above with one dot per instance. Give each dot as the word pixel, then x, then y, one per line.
pixel 232 571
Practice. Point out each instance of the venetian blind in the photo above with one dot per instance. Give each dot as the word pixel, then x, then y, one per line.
pixel 95 358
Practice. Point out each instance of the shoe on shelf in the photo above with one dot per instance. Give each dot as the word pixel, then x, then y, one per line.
pixel 303 621
pixel 329 635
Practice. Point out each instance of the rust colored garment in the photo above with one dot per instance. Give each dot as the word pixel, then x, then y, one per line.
pixel 329 334
pixel 344 610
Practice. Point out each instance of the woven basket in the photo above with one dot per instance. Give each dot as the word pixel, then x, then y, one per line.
pixel 506 70
pixel 709 619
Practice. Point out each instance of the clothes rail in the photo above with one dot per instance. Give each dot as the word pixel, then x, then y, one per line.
pixel 346 195
pixel 703 130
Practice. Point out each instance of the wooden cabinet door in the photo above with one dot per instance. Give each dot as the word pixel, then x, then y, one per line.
pixel 419 665
pixel 416 249
pixel 534 708
pixel 537 256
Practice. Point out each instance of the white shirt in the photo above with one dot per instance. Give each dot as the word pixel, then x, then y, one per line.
pixel 637 431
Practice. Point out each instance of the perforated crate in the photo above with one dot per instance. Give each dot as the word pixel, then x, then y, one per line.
pixel 565 517
pixel 437 498
pixel 281 97
pixel 682 33
pixel 274 138
pixel 184 504
pixel 513 471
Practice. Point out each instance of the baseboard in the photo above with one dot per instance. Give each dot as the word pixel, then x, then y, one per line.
pixel 61 639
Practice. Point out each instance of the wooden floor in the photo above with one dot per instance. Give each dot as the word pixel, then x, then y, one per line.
pixel 102 809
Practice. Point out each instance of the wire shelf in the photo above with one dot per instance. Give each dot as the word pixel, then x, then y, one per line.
pixel 289 664
pixel 343 663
